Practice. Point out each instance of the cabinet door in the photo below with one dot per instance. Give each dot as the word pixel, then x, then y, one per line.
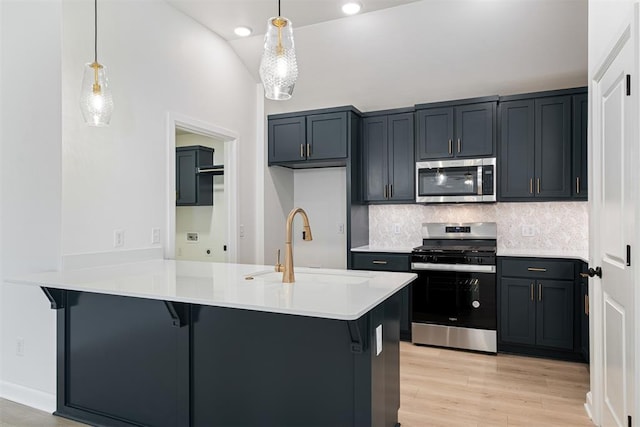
pixel 401 160
pixel 287 139
pixel 186 161
pixel 475 125
pixel 553 147
pixel 516 149
pixel 579 177
pixel 554 313
pixel 375 158
pixel 435 133
pixel 517 311
pixel 327 136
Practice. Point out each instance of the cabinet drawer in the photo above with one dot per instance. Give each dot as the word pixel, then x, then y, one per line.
pixel 538 268
pixel 380 261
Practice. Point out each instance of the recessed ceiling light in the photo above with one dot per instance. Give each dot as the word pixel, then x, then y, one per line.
pixel 243 31
pixel 351 8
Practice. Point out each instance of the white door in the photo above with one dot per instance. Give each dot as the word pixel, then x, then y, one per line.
pixel 614 165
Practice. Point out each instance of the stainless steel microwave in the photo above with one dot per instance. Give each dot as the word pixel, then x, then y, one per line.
pixel 456 181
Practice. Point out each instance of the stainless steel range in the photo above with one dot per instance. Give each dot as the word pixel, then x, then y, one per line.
pixel 454 297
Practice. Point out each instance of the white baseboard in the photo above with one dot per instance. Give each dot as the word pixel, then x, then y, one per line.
pixel 98 259
pixel 27 396
pixel 588 405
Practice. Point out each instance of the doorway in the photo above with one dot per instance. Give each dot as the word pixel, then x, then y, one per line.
pixel 205 232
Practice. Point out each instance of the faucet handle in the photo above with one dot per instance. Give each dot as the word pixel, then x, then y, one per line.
pixel 279 267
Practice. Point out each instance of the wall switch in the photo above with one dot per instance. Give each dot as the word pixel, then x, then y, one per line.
pixel 118 238
pixel 241 229
pixel 20 347
pixel 155 236
pixel 340 228
pixel 192 237
pixel 528 231
pixel 396 228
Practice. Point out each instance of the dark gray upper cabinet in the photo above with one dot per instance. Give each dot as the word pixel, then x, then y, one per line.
pixel 312 139
pixel 543 146
pixel 580 114
pixel 193 188
pixel 553 147
pixel 447 130
pixel 287 139
pixel 388 162
pixel 517 149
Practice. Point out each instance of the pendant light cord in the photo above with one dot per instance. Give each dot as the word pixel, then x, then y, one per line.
pixel 95 31
pixel 278 7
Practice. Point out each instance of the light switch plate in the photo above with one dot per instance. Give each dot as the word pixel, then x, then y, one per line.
pixel 378 340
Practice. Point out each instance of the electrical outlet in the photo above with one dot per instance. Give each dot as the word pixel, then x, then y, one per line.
pixel 20 347
pixel 155 236
pixel 528 231
pixel 340 228
pixel 241 230
pixel 118 238
pixel 192 237
pixel 396 228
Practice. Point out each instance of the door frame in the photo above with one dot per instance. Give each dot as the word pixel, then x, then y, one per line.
pixel 230 138
pixel 594 400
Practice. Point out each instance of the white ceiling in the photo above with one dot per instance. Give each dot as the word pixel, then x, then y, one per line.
pixel 222 16
pixel 428 50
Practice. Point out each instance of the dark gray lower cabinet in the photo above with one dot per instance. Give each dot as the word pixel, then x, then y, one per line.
pixel 383 261
pixel 126 361
pixel 539 301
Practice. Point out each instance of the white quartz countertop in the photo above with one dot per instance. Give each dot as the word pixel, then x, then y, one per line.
pixel 399 250
pixel 545 253
pixel 325 293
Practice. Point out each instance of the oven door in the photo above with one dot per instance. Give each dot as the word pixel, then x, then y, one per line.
pixel 454 298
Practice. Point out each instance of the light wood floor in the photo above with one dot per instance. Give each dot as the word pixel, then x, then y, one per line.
pixel 440 387
pixel 449 388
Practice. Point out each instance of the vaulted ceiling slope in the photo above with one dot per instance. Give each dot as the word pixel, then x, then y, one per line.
pixel 434 50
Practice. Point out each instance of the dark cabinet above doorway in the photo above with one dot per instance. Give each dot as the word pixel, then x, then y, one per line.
pixel 194 175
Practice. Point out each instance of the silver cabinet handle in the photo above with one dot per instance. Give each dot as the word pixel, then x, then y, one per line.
pixel 390 191
pixel 577 185
pixel 459 146
pixel 308 150
pixel 450 147
pixel 541 270
pixel 531 287
pixel 380 262
pixel 539 292
pixel 302 150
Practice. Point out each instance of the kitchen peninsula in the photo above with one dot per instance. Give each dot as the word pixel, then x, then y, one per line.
pixel 180 343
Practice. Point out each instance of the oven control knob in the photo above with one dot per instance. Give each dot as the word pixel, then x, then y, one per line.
pixel 475 304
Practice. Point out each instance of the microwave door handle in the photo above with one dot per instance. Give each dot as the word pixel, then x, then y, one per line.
pixel 480 181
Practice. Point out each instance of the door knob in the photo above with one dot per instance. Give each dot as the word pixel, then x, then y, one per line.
pixel 591 272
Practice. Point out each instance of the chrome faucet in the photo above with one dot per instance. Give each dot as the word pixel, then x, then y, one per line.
pixel 287 269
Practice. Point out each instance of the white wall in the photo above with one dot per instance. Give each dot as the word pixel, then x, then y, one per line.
pixel 159 61
pixel 30 172
pixel 322 193
pixel 210 222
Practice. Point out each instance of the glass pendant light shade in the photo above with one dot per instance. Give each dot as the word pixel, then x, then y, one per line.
pixel 278 67
pixel 96 101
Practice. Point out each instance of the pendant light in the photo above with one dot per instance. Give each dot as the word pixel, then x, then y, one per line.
pixel 96 101
pixel 278 67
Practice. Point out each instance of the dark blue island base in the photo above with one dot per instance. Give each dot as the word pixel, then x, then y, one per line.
pixel 125 361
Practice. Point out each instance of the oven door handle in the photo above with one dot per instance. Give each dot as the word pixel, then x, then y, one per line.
pixel 465 268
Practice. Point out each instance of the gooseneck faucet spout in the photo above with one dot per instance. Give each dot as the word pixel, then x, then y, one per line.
pixel 287 269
